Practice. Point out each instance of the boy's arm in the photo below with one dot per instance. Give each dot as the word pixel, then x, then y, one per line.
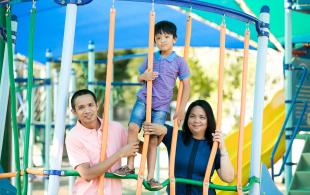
pixel 89 172
pixel 185 96
pixel 147 76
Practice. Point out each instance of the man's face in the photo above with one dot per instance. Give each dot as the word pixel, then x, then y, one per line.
pixel 85 109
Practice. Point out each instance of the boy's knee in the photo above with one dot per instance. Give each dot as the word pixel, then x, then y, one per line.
pixel 133 128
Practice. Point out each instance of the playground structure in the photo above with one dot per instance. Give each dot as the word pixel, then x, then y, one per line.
pixel 257 126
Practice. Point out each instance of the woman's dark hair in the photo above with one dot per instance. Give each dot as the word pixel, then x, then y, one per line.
pixel 80 93
pixel 211 125
pixel 166 27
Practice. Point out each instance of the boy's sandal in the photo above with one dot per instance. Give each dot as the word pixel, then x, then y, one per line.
pixel 154 184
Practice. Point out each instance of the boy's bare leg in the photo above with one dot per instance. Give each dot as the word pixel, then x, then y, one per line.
pixel 151 156
pixel 133 130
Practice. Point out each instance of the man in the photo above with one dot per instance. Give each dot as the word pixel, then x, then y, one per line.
pixel 83 144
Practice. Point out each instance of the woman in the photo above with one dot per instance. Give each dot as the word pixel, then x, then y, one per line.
pixel 194 147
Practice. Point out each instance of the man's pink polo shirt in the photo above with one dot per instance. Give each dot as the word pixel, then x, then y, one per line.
pixel 84 145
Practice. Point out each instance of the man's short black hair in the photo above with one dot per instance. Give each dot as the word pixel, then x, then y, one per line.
pixel 166 27
pixel 80 93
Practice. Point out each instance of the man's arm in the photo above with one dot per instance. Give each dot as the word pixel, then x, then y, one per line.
pixel 88 172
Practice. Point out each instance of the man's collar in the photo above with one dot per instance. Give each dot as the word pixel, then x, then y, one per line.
pixel 81 126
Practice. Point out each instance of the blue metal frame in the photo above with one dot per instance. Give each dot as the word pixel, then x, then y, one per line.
pixel 209 7
pixel 296 129
pixel 10 2
pixel 42 126
pixel 102 83
pixel 77 2
pixel 104 61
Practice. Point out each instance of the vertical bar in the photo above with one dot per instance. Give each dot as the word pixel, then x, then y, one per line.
pixel 259 99
pixel 91 65
pixel 148 102
pixel 219 108
pixel 13 99
pixel 4 83
pixel 31 142
pixel 107 96
pixel 288 83
pixel 62 96
pixel 29 97
pixel 175 124
pixel 48 116
pixel 72 119
pixel 242 110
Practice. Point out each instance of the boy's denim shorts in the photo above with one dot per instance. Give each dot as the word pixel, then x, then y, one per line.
pixel 138 114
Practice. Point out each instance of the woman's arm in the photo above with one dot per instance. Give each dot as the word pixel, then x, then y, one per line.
pixel 226 170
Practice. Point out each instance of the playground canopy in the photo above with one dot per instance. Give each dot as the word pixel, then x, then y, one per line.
pixel 300 30
pixel 132 25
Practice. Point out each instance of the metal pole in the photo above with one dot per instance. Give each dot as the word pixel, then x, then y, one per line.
pixel 91 65
pixel 72 119
pixel 259 98
pixel 48 116
pixel 5 85
pixel 63 88
pixel 288 86
pixel 31 140
pixel 157 167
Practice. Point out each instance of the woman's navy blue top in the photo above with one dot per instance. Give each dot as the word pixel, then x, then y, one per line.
pixel 190 162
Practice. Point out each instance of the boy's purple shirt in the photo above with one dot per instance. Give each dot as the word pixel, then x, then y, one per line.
pixel 168 68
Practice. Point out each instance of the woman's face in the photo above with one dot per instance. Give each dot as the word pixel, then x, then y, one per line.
pixel 197 122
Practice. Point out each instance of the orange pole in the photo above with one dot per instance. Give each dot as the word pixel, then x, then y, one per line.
pixel 107 97
pixel 242 110
pixel 35 171
pixel 28 170
pixel 187 37
pixel 175 123
pixel 13 174
pixel 148 102
pixel 7 175
pixel 219 109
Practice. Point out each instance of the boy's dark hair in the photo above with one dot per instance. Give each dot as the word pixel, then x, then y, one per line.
pixel 80 93
pixel 166 27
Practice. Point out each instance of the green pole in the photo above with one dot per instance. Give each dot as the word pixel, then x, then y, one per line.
pixel 29 93
pixel 7 142
pixel 13 99
pixel 5 154
pixel 2 42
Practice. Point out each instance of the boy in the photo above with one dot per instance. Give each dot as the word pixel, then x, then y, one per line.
pixel 83 145
pixel 167 67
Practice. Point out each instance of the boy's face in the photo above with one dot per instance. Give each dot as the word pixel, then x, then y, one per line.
pixel 85 109
pixel 165 42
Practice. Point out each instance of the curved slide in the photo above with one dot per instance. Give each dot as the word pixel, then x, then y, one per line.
pixel 274 115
